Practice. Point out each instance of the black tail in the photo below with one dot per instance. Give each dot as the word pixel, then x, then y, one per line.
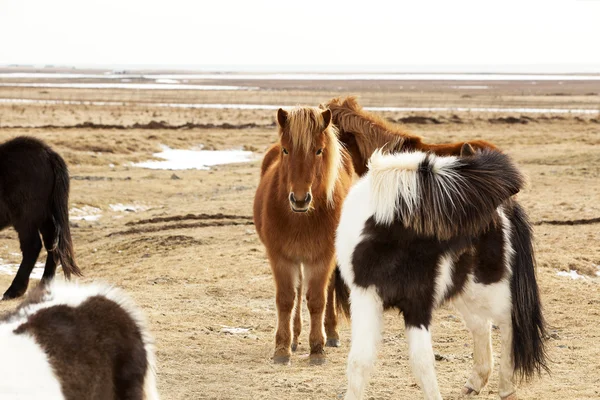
pixel 63 247
pixel 529 327
pixel 342 294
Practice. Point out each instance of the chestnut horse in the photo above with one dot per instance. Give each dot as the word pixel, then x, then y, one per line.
pixel 362 133
pixel 304 179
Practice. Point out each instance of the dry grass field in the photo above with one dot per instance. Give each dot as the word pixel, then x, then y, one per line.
pixel 195 272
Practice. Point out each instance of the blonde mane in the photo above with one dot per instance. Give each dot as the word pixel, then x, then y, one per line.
pixel 303 125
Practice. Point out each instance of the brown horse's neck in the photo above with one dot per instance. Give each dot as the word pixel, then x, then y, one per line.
pixel 363 133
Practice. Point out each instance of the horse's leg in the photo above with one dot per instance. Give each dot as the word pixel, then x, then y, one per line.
pixel 31 245
pixel 422 359
pixel 366 309
pixel 482 348
pixel 316 297
pixel 48 231
pixel 297 314
pixel 286 275
pixel 333 337
pixel 506 386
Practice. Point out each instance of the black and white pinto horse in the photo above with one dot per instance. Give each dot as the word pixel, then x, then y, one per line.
pixel 76 342
pixel 419 230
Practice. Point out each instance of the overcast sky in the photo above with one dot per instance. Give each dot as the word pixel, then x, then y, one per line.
pixel 304 34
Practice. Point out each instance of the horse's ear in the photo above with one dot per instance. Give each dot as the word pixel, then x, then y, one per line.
pixel 326 118
pixel 466 150
pixel 282 117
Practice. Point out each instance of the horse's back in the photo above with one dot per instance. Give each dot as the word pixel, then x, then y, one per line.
pixel 65 322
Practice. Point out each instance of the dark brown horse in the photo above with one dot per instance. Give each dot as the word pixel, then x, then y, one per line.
pixel 34 199
pixel 362 133
pixel 305 177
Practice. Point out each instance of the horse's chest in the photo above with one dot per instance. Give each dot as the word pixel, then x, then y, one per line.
pixel 304 239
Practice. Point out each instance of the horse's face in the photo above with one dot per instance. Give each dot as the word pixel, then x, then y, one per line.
pixel 302 153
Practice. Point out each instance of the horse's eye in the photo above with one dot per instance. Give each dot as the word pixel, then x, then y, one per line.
pixel 319 152
pixel 284 150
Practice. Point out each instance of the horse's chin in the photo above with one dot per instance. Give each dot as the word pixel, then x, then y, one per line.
pixel 300 210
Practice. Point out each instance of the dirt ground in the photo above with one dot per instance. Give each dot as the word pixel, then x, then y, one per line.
pixel 196 274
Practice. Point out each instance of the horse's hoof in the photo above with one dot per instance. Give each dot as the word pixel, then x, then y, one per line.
pixel 333 343
pixel 12 293
pixel 468 392
pixel 317 359
pixel 510 397
pixel 281 360
pixel 294 346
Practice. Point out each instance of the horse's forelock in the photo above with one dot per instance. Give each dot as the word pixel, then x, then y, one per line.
pixel 304 125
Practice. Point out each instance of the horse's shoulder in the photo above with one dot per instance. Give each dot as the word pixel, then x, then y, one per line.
pixel 269 158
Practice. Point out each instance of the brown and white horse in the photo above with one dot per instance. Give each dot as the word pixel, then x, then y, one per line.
pixel 74 342
pixel 419 230
pixel 362 133
pixel 304 179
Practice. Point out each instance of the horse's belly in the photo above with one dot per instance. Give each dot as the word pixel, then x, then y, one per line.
pixel 25 372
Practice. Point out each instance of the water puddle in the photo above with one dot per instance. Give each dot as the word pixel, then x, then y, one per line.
pixel 525 110
pixel 311 76
pixel 195 159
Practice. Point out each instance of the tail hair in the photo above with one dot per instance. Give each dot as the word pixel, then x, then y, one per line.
pixel 63 246
pixel 528 324
pixel 342 294
pixel 441 196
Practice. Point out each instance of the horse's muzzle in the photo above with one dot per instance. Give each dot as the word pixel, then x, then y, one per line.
pixel 300 205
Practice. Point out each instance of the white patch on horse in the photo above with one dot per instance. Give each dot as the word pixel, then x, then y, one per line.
pixel 422 361
pixel 356 211
pixel 394 177
pixel 443 280
pixel 366 308
pixel 509 251
pixel 25 372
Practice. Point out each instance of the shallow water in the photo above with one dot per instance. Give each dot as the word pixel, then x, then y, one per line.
pixel 137 86
pixel 310 76
pixel 195 159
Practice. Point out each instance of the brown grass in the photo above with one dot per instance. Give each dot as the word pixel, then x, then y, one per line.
pixel 191 280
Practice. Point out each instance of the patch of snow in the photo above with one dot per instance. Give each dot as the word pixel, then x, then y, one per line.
pixel 85 213
pixel 165 81
pixel 234 331
pixel 127 207
pixel 571 274
pixel 195 159
pixel 11 269
pixel 470 87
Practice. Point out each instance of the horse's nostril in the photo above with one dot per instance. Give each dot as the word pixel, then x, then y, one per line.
pixel 292 197
pixel 308 198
